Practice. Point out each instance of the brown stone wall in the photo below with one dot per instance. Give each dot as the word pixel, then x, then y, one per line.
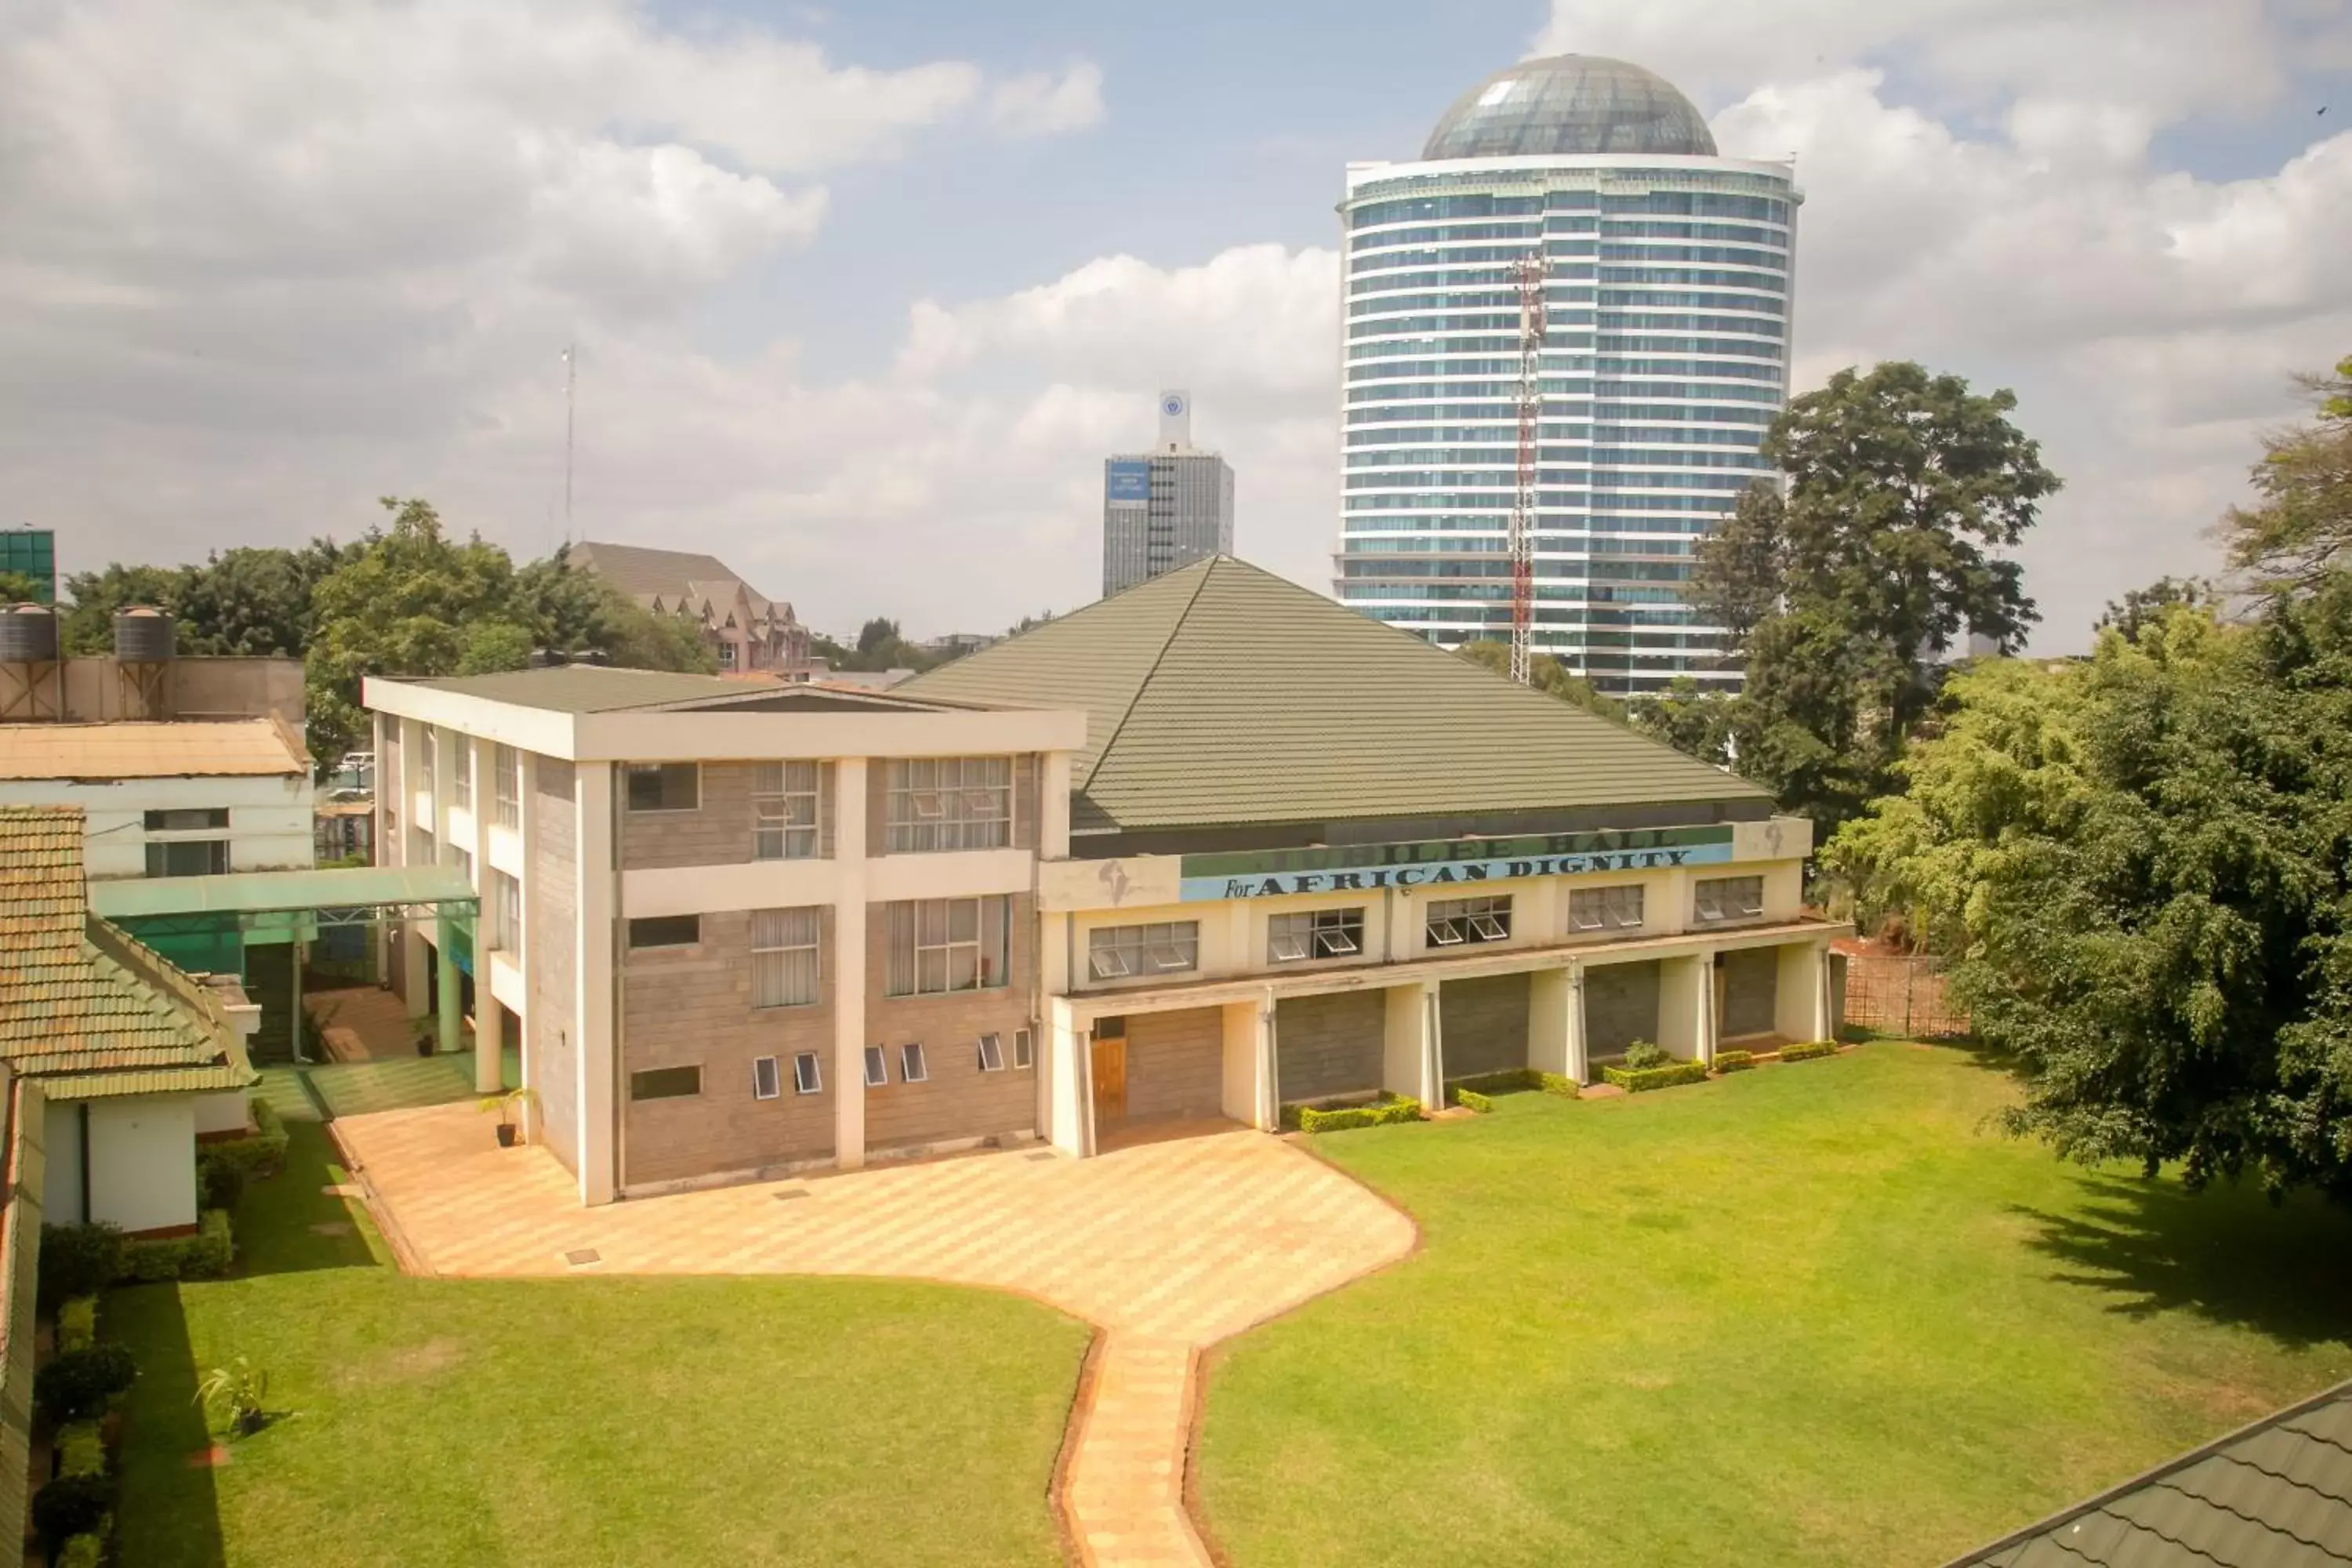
pixel 692 1007
pixel 1751 991
pixel 1485 1024
pixel 959 1100
pixel 1175 1063
pixel 1621 1006
pixel 717 833
pixel 551 906
pixel 1330 1046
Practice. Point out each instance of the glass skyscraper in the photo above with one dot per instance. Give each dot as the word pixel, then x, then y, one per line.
pixel 1667 292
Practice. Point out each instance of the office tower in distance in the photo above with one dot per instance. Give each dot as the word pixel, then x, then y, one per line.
pixel 1665 289
pixel 1165 507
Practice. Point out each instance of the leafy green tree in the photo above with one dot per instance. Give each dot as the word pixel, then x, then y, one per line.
pixel 2302 530
pixel 15 588
pixel 256 601
pixel 570 609
pixel 1842 600
pixel 1546 673
pixel 2147 606
pixel 89 627
pixel 2140 866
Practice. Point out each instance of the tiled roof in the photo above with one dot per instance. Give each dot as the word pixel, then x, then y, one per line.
pixel 675 577
pixel 1221 694
pixel 2276 1492
pixel 229 747
pixel 83 1007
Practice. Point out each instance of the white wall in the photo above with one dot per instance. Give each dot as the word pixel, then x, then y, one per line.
pixel 142 1162
pixel 224 1113
pixel 270 819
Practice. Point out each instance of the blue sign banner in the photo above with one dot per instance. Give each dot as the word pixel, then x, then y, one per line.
pixel 1575 856
pixel 1126 482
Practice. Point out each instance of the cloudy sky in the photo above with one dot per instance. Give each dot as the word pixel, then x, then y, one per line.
pixel 863 294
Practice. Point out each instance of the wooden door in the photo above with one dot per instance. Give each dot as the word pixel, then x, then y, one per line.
pixel 1110 1080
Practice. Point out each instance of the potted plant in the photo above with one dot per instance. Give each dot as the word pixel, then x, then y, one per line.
pixel 508 1105
pixel 425 1041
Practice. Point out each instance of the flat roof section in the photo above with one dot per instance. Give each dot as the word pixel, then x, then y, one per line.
pixel 279 892
pixel 225 748
pixel 583 688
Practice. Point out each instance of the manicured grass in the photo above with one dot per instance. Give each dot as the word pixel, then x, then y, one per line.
pixel 1814 1314
pixel 583 1421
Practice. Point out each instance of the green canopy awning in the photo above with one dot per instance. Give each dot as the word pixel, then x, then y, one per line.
pixel 346 895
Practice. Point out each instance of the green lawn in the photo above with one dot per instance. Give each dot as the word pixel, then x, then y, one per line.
pixel 583 1421
pixel 1813 1314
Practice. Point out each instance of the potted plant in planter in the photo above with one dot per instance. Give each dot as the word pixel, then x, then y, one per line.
pixel 509 1105
pixel 426 1039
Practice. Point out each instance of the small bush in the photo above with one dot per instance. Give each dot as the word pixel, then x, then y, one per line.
pixel 235 1393
pixel 78 1261
pixel 203 1256
pixel 1560 1084
pixel 80 1451
pixel 1734 1061
pixel 78 1324
pixel 77 1387
pixel 1807 1050
pixel 84 1551
pixel 1640 1080
pixel 70 1506
pixel 219 1181
pixel 1641 1055
pixel 1380 1113
pixel 1471 1100
pixel 261 1152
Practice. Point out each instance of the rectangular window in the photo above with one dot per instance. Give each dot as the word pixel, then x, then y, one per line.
pixel 506 780
pixel 1720 899
pixel 1024 1047
pixel 664 930
pixel 1455 921
pixel 188 857
pixel 1168 947
pixel 1112 1029
pixel 461 773
pixel 427 744
pixel 505 912
pixel 1318 933
pixel 664 786
pixel 807 1078
pixel 1605 908
pixel 912 1066
pixel 194 821
pixel 991 1053
pixel 878 1068
pixel 938 945
pixel 949 802
pixel 767 1078
pixel 784 811
pixel 666 1083
pixel 783 957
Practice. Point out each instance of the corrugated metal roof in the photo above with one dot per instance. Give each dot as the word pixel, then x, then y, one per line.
pixel 225 748
pixel 1221 694
pixel 2276 1492
pixel 257 892
pixel 80 1001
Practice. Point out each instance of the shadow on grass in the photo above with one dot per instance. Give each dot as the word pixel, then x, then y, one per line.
pixel 170 1514
pixel 2227 1254
pixel 289 1224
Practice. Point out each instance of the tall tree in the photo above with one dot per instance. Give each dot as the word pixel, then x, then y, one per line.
pixel 88 625
pixel 568 608
pixel 1842 600
pixel 256 601
pixel 2147 606
pixel 1546 675
pixel 2301 530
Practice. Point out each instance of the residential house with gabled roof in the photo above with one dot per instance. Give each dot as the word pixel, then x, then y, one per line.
pixel 135 1058
pixel 747 631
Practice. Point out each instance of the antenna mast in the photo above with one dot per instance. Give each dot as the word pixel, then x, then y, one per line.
pixel 1527 273
pixel 571 377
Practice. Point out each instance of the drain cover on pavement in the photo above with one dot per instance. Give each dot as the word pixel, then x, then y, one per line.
pixel 1042 1154
pixel 791 1192
pixel 583 1257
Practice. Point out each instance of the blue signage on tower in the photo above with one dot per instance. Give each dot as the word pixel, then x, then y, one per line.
pixel 1126 482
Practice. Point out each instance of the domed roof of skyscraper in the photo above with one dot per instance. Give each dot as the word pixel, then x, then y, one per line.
pixel 1569 103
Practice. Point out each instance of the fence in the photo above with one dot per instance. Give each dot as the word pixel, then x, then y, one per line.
pixel 1900 994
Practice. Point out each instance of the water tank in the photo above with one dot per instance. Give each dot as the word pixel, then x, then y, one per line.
pixel 143 635
pixel 28 634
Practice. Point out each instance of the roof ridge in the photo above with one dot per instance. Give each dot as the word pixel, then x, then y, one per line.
pixel 1136 697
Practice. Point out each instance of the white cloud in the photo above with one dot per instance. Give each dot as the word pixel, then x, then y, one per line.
pixel 1043 104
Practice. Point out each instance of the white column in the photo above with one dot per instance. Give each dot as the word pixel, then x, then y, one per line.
pixel 489 1025
pixel 489 1034
pixel 1411 1050
pixel 1549 997
pixel 529 833
pixel 1062 1056
pixel 597 1027
pixel 1824 1003
pixel 1704 1006
pixel 1249 1096
pixel 849 963
pixel 1683 1006
pixel 1580 1063
pixel 408 782
pixel 1054 806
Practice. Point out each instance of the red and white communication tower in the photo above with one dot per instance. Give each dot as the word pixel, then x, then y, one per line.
pixel 1527 273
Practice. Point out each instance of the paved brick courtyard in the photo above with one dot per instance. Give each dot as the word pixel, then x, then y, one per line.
pixel 1169 1245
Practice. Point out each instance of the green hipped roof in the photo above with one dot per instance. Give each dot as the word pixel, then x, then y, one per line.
pixel 1219 694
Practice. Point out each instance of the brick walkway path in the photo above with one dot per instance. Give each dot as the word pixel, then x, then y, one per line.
pixel 1168 1247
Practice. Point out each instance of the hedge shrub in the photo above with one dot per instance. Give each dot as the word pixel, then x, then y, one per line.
pixel 78 1324
pixel 1642 1055
pixel 70 1506
pixel 260 1153
pixel 78 1261
pixel 77 1387
pixel 86 1549
pixel 1637 1081
pixel 80 1451
pixel 219 1182
pixel 1380 1113
pixel 1734 1061
pixel 203 1256
pixel 1514 1080
pixel 1807 1050
pixel 1471 1100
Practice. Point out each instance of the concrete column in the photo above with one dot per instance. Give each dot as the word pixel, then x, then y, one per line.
pixel 1685 996
pixel 1250 1093
pixel 1824 1001
pixel 490 1036
pixel 1556 1021
pixel 850 964
pixel 1054 806
pixel 444 980
pixel 412 946
pixel 528 1116
pixel 597 1023
pixel 1709 1024
pixel 490 1020
pixel 1411 1053
pixel 1061 1058
pixel 1801 1000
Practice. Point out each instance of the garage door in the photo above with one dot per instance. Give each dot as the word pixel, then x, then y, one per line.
pixel 1330 1046
pixel 1485 1024
pixel 1621 1006
pixel 1175 1063
pixel 1751 990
